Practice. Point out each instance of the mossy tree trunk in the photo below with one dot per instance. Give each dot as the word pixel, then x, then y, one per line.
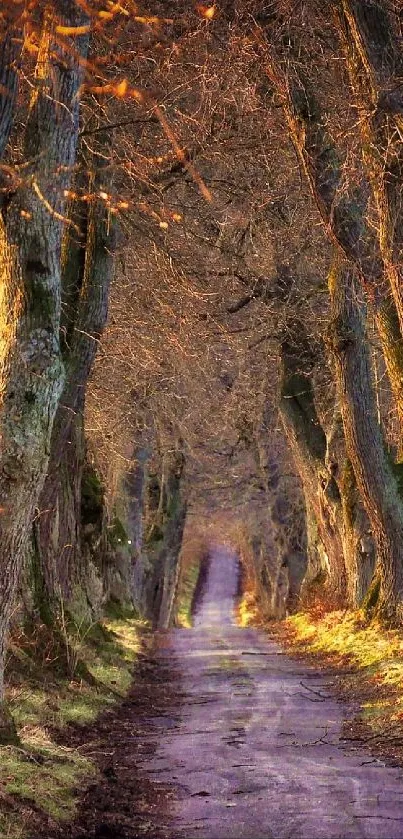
pixel 171 515
pixel 365 445
pixel 31 225
pixel 280 545
pixel 88 271
pixel 307 440
pixel 135 485
pixel 375 257
pixel 11 40
pixel 375 64
pixel 358 545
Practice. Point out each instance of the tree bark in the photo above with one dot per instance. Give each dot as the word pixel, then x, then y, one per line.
pixel 171 516
pixel 87 278
pixel 358 545
pixel 344 215
pixel 135 483
pixel 31 369
pixel 11 36
pixel 365 445
pixel 308 444
pixel 375 66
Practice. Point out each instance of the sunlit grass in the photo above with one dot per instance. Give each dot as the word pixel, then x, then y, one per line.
pixel 40 773
pixel 44 773
pixel 372 654
pixel 187 588
pixel 367 645
pixel 247 613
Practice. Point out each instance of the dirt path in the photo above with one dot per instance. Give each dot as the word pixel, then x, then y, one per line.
pixel 257 751
pixel 252 750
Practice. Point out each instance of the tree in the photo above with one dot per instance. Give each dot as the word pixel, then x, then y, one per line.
pixel 87 273
pixel 31 368
pixel 370 35
pixel 364 442
pixel 343 211
pixel 11 32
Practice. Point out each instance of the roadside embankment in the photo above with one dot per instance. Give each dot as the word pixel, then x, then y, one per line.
pixel 57 680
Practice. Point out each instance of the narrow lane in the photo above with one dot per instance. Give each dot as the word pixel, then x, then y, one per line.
pixel 257 752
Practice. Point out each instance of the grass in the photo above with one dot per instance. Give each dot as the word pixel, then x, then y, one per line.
pixel 44 773
pixel 350 638
pixel 368 657
pixel 370 660
pixel 40 774
pixel 187 588
pixel 248 611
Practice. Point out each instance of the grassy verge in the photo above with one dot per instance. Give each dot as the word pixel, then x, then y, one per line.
pixel 248 609
pixel 186 592
pixel 369 659
pixel 191 582
pixel 49 688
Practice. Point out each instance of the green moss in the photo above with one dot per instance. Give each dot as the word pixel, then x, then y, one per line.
pixel 154 536
pixel 117 533
pixel 41 301
pixel 349 492
pixel 119 611
pixel 173 506
pixel 92 496
pixel 186 592
pixel 44 775
pixel 8 731
pixel 40 772
pixel 398 473
pixel 372 597
pixel 297 399
pixel 153 491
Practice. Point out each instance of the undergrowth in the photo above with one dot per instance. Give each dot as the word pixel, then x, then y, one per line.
pixel 39 776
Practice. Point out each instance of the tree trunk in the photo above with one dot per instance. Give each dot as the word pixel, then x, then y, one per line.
pixel 31 369
pixel 358 546
pixel 345 220
pixel 171 522
pixel 135 483
pixel 279 545
pixel 387 324
pixel 11 41
pixel 308 444
pixel 375 65
pixel 89 271
pixel 58 522
pixel 365 445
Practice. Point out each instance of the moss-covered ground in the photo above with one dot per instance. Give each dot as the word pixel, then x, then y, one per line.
pixel 49 688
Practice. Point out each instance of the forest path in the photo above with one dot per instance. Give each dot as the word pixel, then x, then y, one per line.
pixel 224 736
pixel 256 750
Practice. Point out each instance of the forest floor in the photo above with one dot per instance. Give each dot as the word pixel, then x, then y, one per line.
pixel 225 734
